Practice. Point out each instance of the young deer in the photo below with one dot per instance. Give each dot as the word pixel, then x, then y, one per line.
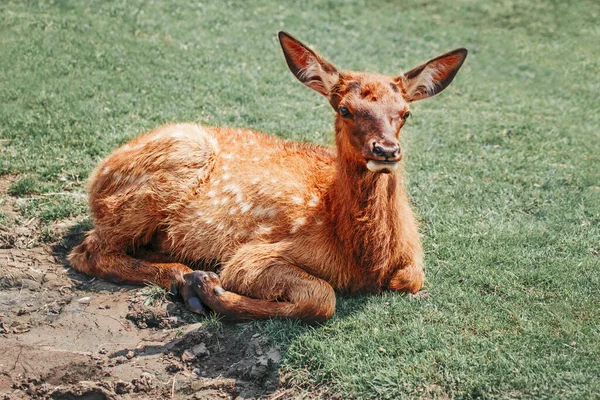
pixel 284 224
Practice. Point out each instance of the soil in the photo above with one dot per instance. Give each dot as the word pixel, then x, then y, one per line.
pixel 64 335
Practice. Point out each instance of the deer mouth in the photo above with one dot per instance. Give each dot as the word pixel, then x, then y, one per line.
pixel 386 166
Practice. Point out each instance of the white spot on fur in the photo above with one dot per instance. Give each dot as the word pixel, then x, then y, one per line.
pixel 225 167
pixel 231 188
pixel 314 200
pixel 233 211
pixel 177 135
pixel 263 229
pixel 208 220
pixel 220 226
pixel 106 170
pixel 224 200
pixel 226 177
pixel 297 200
pixel 211 194
pixel 142 179
pixel 234 189
pixel 254 181
pixel 244 207
pixel 228 156
pixel 298 222
pixel 216 183
pixel 255 159
pixel 260 211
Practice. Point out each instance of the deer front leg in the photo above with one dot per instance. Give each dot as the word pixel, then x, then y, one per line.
pixel 409 277
pixel 259 282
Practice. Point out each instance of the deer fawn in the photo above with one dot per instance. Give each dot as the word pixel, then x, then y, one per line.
pixel 284 224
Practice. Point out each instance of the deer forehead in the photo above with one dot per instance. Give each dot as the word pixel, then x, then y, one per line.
pixel 368 91
pixel 369 85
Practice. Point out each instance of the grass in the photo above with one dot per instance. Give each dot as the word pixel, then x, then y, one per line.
pixel 154 294
pixel 503 167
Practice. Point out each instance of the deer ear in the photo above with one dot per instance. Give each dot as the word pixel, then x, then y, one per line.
pixel 435 75
pixel 306 65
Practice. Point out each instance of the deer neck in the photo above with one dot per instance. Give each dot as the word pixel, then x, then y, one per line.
pixel 365 212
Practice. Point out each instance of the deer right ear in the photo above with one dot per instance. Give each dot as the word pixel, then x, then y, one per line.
pixel 435 75
pixel 307 66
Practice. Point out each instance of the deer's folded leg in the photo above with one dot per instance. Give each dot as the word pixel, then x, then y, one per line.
pixel 90 258
pixel 258 283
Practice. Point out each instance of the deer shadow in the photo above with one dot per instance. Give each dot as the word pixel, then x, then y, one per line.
pixel 73 236
pixel 246 352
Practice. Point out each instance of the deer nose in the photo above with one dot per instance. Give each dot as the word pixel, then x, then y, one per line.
pixel 386 150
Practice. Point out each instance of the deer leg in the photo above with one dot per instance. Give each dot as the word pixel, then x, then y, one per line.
pixel 409 279
pixel 269 286
pixel 115 266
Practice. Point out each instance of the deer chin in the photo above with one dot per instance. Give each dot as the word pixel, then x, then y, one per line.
pixel 383 166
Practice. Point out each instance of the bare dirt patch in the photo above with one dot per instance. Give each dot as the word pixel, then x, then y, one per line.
pixel 64 335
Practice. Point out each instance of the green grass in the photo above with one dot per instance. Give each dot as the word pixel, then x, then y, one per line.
pixel 154 294
pixel 503 167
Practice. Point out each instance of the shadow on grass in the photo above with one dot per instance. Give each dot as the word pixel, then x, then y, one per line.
pixel 250 353
pixel 242 351
pixel 73 236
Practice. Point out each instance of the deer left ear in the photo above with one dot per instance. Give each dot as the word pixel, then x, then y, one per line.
pixel 307 66
pixel 435 75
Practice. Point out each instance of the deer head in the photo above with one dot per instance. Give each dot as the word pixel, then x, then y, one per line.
pixel 371 109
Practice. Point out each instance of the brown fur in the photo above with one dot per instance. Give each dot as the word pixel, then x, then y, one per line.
pixel 285 224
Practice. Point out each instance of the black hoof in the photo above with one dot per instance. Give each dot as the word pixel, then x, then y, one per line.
pixel 192 301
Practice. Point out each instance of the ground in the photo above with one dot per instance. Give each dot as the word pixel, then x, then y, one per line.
pixel 503 170
pixel 65 334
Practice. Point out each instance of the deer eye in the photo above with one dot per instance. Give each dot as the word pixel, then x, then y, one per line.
pixel 406 115
pixel 344 112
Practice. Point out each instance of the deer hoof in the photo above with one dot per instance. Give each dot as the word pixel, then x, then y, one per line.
pixel 206 285
pixel 191 300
